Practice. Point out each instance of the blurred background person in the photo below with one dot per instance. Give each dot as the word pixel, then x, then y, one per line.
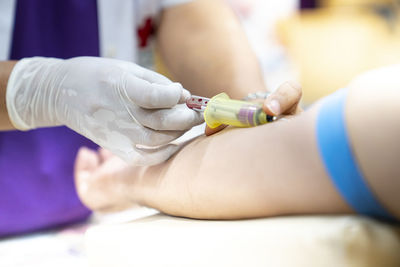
pixel 321 43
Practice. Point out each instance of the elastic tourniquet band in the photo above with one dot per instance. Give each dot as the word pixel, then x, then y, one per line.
pixel 337 156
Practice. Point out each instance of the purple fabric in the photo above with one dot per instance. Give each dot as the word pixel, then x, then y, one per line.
pixel 61 28
pixel 36 167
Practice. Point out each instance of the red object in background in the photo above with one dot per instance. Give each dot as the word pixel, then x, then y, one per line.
pixel 145 31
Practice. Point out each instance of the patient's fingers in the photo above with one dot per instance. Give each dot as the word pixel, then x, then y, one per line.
pixel 284 100
pixel 86 162
pixel 209 131
pixel 105 154
pixel 100 181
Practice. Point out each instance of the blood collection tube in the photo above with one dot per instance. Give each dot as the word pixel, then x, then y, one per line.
pixel 222 110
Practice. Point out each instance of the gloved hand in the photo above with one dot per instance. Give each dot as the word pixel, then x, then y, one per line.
pixel 131 111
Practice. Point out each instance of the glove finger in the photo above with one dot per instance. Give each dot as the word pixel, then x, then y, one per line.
pixel 178 118
pixel 148 157
pixel 184 96
pixel 121 145
pixel 152 95
pixel 148 75
pixel 153 77
pixel 141 72
pixel 154 138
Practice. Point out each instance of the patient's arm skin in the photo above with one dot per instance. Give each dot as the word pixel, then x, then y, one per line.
pixel 274 169
pixel 243 173
pixel 5 71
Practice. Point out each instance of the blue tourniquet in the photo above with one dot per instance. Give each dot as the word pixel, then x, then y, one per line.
pixel 340 163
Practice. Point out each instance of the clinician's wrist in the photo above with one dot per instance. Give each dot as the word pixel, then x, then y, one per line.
pixel 6 68
pixel 30 98
pixel 13 87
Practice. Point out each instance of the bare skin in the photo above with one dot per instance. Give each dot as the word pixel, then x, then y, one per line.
pixel 205 48
pixel 271 170
pixel 5 71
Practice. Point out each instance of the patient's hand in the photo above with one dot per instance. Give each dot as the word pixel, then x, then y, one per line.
pixel 284 101
pixel 100 179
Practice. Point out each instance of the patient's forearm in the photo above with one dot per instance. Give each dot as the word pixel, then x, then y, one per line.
pixel 276 169
pixel 5 71
pixel 243 173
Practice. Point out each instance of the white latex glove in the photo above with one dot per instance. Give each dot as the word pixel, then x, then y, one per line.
pixel 131 111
